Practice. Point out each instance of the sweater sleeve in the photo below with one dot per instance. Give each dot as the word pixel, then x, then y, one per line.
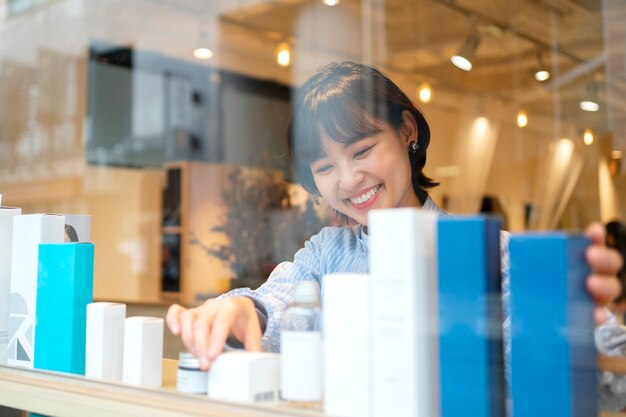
pixel 274 295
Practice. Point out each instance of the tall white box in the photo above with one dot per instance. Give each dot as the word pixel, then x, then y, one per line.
pixel 143 351
pixel 403 262
pixel 245 377
pixel 29 230
pixel 104 347
pixel 347 357
pixel 6 244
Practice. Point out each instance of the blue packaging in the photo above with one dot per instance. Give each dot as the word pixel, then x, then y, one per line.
pixel 553 358
pixel 64 288
pixel 470 317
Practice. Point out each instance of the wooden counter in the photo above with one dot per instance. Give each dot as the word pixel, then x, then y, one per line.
pixel 63 395
pixel 57 394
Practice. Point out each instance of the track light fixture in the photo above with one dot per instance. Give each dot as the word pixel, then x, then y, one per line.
pixel 541 72
pixel 463 59
pixel 590 99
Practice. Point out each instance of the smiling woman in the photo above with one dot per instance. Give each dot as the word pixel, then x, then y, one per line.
pixel 351 134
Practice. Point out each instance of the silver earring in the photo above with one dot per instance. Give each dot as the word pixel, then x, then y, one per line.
pixel 413 147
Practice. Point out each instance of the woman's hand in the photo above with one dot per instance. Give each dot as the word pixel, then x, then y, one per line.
pixel 204 329
pixel 605 263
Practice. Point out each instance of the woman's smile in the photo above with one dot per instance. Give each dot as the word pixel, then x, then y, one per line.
pixel 365 199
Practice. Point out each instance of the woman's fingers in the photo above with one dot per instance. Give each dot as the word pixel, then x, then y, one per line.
pixel 187 334
pixel 173 318
pixel 604 260
pixel 603 288
pixel 205 329
pixel 595 231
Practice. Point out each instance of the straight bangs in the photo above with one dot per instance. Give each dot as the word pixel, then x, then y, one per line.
pixel 341 118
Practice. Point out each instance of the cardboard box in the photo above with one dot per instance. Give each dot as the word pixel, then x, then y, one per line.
pixel 64 288
pixel 553 356
pixel 471 357
pixel 29 230
pixel 403 263
pixel 245 377
pixel 105 341
pixel 143 351
pixel 6 244
pixel 347 358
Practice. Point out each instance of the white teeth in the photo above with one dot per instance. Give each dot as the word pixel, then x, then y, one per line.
pixel 365 197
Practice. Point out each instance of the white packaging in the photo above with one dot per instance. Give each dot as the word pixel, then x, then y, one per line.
pixel 302 365
pixel 143 351
pixel 77 228
pixel 245 377
pixel 29 230
pixel 346 355
pixel 104 347
pixel 6 245
pixel 403 256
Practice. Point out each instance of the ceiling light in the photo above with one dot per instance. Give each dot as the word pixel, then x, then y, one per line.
pixel 425 93
pixel 203 53
pixel 522 119
pixel 590 100
pixel 330 2
pixel 542 75
pixel 202 50
pixel 588 136
pixel 463 59
pixel 283 55
pixel 541 72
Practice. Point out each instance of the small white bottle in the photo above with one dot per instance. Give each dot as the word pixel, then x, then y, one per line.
pixel 190 378
pixel 301 347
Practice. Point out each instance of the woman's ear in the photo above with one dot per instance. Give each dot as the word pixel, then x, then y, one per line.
pixel 408 130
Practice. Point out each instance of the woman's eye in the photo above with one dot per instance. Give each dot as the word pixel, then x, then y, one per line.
pixel 363 152
pixel 323 169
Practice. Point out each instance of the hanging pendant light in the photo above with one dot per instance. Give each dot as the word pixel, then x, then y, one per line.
pixel 283 54
pixel 522 119
pixel 425 92
pixel 588 136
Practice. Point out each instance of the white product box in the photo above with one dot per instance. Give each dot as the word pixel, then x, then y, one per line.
pixel 77 228
pixel 245 377
pixel 29 230
pixel 403 262
pixel 6 244
pixel 104 348
pixel 143 351
pixel 347 335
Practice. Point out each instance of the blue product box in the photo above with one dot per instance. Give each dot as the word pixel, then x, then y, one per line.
pixel 553 357
pixel 64 288
pixel 470 317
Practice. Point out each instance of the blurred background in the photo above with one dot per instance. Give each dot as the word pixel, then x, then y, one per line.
pixel 165 120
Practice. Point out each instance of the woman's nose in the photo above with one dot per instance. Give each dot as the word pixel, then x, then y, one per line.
pixel 350 178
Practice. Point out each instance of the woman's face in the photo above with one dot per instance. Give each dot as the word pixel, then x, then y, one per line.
pixel 371 173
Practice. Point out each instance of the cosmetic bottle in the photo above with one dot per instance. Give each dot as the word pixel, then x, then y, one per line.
pixel 301 348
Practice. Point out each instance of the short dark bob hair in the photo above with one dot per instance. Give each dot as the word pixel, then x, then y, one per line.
pixel 346 102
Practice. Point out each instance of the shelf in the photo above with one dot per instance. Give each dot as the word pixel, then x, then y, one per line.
pixel 58 394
